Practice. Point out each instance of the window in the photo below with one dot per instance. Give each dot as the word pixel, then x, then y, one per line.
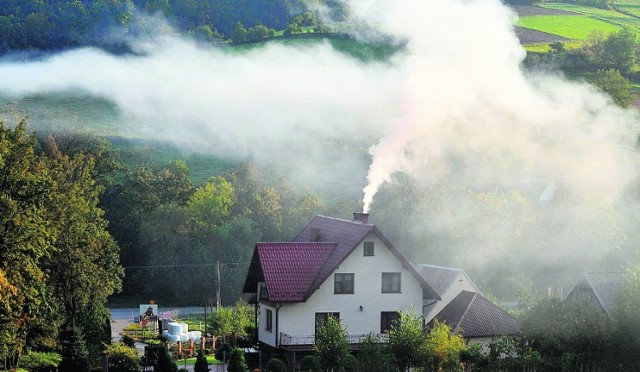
pixel 264 294
pixel 390 282
pixel 368 248
pixel 389 319
pixel 269 320
pixel 321 319
pixel 343 284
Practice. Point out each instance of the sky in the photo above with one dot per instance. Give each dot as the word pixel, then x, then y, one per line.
pixel 454 107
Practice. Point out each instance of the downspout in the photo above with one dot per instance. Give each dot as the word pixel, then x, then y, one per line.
pixel 424 320
pixel 255 322
pixel 277 324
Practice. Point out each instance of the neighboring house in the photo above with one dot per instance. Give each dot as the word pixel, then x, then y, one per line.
pixel 462 306
pixel 447 282
pixel 334 267
pixel 477 319
pixel 600 289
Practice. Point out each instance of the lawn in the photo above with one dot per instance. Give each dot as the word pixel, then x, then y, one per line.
pixel 576 27
pixel 192 361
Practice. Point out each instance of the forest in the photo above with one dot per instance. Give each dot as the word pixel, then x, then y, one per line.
pixel 62 24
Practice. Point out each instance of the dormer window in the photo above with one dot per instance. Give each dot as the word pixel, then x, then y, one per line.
pixel 368 249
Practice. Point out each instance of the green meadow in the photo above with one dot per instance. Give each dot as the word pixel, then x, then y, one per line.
pixel 630 7
pixel 583 20
pixel 576 27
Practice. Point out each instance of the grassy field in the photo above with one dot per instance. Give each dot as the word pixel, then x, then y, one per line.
pixel 576 27
pixel 606 15
pixel 630 7
pixel 576 22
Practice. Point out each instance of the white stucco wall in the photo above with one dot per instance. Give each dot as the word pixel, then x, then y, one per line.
pixel 268 337
pixel 432 309
pixel 298 319
pixel 484 342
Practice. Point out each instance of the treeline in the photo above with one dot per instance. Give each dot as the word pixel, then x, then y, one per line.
pixel 609 62
pixel 578 334
pixel 57 24
pixel 74 219
pixel 58 263
pixel 172 232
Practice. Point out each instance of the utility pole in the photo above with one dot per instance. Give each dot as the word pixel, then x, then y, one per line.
pixel 218 288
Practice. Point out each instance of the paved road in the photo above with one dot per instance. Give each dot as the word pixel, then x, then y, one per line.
pixel 130 312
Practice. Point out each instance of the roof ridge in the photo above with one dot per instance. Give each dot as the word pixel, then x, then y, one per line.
pixel 440 267
pixel 296 243
pixel 595 291
pixel 344 220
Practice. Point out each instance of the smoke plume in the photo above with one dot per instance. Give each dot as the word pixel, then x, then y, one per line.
pixel 453 110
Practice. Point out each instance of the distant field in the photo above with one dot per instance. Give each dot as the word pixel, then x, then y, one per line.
pixel 576 27
pixel 576 22
pixel 630 7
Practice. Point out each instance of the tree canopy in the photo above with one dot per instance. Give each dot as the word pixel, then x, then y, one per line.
pixel 58 263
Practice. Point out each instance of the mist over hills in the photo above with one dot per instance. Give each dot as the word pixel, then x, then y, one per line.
pixel 460 141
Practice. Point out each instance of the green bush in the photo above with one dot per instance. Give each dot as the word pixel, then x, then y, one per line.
pixel 123 358
pixel 201 363
pixel 275 365
pixel 40 361
pixel 128 341
pixel 350 363
pixel 237 362
pixel 310 363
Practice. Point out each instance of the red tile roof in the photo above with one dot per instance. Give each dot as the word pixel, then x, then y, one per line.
pixel 291 268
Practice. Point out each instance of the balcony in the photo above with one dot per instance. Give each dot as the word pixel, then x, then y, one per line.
pixel 289 342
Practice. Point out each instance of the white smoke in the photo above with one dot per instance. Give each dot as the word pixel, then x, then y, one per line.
pixel 454 107
pixel 463 90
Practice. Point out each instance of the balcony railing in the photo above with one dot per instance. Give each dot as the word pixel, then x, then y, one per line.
pixel 289 340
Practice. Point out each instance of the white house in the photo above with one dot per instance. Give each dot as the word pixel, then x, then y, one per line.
pixel 334 267
pixel 351 271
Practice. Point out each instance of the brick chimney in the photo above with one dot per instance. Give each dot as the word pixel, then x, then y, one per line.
pixel 315 234
pixel 360 217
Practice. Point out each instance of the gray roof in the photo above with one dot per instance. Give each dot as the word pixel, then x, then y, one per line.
pixel 439 278
pixel 605 286
pixel 472 315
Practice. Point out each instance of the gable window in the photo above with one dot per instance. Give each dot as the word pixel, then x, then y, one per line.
pixel 321 319
pixel 368 248
pixel 389 319
pixel 343 284
pixel 268 320
pixel 390 282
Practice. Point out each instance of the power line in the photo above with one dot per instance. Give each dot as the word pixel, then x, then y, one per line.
pixel 227 264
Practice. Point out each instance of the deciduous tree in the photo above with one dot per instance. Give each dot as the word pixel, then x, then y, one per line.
pixel 332 344
pixel 407 341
